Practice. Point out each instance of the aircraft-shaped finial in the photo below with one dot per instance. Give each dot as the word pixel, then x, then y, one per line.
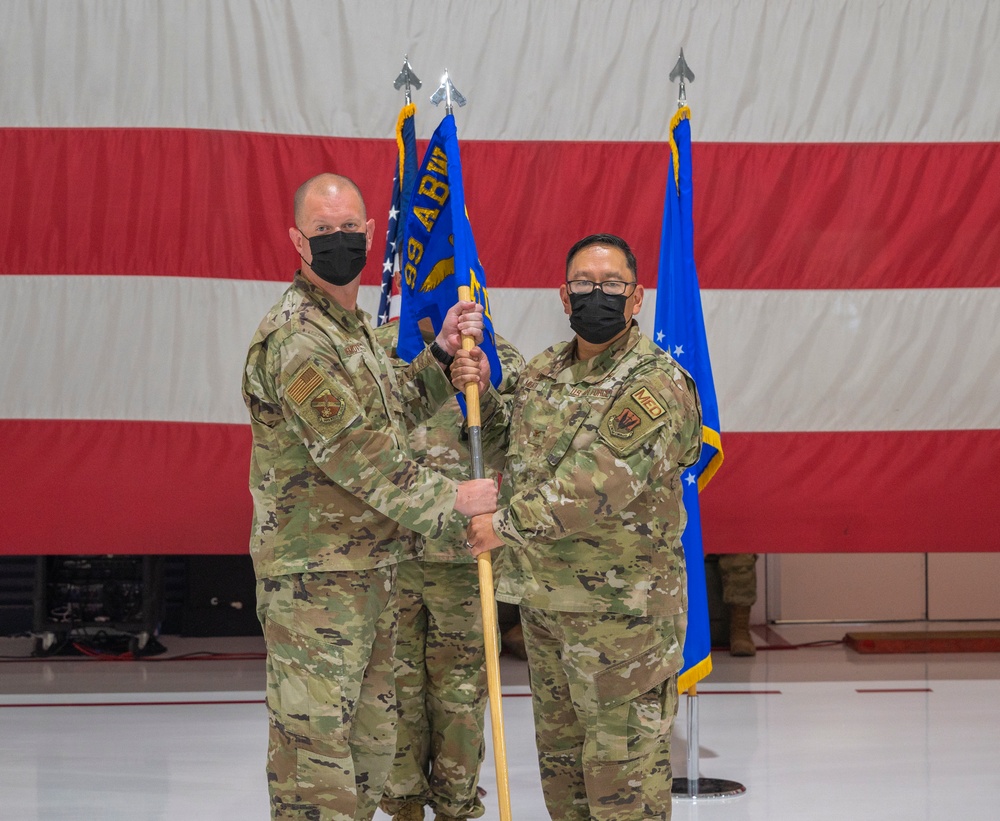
pixel 447 92
pixel 408 78
pixel 682 71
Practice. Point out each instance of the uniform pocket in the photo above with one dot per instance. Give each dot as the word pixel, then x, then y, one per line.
pixel 633 705
pixel 566 437
pixel 304 696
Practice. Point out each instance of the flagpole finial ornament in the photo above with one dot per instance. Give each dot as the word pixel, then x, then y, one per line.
pixel 448 93
pixel 681 70
pixel 407 78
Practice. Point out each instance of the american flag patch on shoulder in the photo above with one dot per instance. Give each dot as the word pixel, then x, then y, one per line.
pixel 305 383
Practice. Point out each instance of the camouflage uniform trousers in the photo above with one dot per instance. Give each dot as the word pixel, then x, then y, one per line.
pixel 604 696
pixel 331 696
pixel 739 578
pixel 441 680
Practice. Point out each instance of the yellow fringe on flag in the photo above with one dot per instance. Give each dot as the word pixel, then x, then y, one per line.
pixel 689 678
pixel 408 110
pixel 711 437
pixel 681 114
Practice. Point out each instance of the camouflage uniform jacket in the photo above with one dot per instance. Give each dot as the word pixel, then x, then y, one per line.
pixel 333 480
pixel 592 511
pixel 441 443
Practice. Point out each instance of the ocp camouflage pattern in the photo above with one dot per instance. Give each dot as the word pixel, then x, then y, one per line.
pixel 332 710
pixel 440 655
pixel 334 483
pixel 739 578
pixel 592 509
pixel 441 443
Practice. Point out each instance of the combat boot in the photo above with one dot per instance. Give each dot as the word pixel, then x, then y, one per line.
pixel 513 642
pixel 740 642
pixel 410 812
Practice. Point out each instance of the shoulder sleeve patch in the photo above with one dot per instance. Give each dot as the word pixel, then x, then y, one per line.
pixel 320 401
pixel 632 417
pixel 327 406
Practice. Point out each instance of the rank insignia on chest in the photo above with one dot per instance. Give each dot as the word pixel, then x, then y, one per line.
pixel 624 424
pixel 327 406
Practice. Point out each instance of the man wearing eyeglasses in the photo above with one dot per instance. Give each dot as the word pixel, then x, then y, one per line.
pixel 598 431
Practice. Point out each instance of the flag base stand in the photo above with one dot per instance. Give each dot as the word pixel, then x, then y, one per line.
pixel 706 788
pixel 694 787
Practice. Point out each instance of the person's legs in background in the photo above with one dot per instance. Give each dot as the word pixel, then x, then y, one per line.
pixel 511 633
pixel 739 593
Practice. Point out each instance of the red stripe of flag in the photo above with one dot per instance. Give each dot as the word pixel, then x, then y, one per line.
pixel 217 204
pixel 182 488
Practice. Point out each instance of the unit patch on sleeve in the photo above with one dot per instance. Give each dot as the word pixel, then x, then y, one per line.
pixel 624 424
pixel 327 406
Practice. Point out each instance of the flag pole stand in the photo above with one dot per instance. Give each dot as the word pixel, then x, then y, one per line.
pixel 695 787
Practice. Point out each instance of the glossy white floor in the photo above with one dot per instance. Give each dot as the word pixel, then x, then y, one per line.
pixel 812 732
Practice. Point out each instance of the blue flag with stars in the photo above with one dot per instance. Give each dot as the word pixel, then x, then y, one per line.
pixel 402 185
pixel 679 328
pixel 440 252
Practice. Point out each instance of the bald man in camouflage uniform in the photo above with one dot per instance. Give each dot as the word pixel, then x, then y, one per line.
pixel 440 658
pixel 599 431
pixel 336 494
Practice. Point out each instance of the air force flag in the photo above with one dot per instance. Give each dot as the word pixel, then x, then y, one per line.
pixel 679 329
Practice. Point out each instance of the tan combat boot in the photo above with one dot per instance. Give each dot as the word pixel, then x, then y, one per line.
pixel 513 642
pixel 410 812
pixel 740 642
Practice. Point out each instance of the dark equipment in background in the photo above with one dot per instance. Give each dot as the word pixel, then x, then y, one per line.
pixel 97 601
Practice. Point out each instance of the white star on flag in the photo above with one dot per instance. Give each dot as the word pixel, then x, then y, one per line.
pixel 678 350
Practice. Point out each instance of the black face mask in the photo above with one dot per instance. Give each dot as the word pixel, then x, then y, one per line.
pixel 338 258
pixel 597 317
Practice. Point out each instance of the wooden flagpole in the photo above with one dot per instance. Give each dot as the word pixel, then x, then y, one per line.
pixel 486 594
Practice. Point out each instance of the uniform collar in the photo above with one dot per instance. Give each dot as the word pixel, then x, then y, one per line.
pixel 596 368
pixel 350 321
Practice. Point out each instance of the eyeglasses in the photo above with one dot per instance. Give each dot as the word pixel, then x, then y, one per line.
pixel 582 287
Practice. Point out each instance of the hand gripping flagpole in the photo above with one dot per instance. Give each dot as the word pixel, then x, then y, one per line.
pixel 694 786
pixel 450 95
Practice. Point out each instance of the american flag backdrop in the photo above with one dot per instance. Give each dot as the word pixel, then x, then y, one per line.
pixel 402 186
pixel 847 172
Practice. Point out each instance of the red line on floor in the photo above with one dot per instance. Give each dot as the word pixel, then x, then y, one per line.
pixel 135 703
pixel 897 690
pixel 739 692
